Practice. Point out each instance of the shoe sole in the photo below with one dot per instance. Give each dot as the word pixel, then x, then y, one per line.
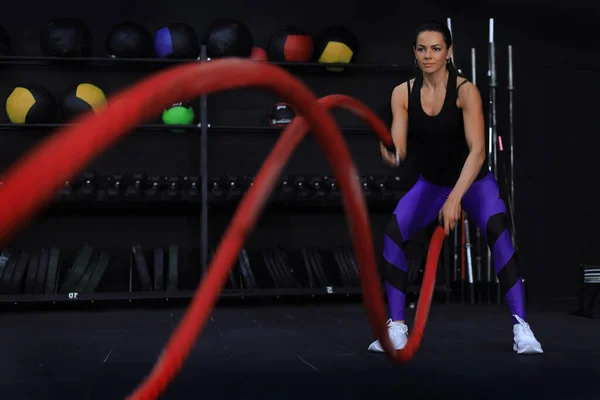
pixel 528 349
pixel 375 349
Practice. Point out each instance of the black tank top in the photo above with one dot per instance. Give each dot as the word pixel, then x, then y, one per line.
pixel 440 139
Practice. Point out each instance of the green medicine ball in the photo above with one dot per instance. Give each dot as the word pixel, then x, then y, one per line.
pixel 178 114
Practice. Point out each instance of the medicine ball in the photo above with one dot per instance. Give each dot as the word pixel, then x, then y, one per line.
pixel 227 37
pixel 81 98
pixel 290 44
pixel 176 40
pixel 5 48
pixel 66 37
pixel 337 44
pixel 178 114
pixel 31 104
pixel 281 114
pixel 259 54
pixel 129 40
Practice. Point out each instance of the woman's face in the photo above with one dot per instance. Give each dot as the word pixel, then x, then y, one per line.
pixel 431 52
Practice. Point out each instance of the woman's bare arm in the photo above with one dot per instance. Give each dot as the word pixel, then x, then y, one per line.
pixel 399 127
pixel 470 101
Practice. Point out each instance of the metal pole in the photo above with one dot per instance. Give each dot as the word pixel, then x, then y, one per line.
pixel 204 173
pixel 493 87
pixel 456 247
pixel 511 87
pixel 463 258
pixel 473 67
pixel 449 23
pixel 477 231
pixel 455 258
pixel 469 262
pixel 491 135
pixel 508 181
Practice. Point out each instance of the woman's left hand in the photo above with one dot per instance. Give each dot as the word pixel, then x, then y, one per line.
pixel 450 212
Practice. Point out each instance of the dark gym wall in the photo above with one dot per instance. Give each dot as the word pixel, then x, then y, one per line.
pixel 553 123
pixel 555 142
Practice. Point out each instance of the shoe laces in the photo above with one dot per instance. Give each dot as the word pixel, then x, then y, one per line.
pixel 396 328
pixel 523 327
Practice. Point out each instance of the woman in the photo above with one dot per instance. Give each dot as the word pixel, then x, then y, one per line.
pixel 443 112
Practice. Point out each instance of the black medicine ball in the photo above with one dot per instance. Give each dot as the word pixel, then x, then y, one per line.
pixel 80 99
pixel 336 44
pixel 281 114
pixel 129 40
pixel 66 37
pixel 176 40
pixel 31 104
pixel 5 48
pixel 227 37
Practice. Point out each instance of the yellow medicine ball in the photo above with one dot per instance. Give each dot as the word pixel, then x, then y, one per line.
pixel 336 45
pixel 82 98
pixel 31 104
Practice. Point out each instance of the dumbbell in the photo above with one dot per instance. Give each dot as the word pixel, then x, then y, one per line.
pixel 366 186
pixel 87 190
pixel 395 186
pixel 137 186
pixel 156 186
pixel 191 187
pixel 302 189
pixel 67 192
pixel 334 194
pixel 115 185
pixel 236 188
pixel 380 189
pixel 174 187
pixel 285 192
pixel 318 188
pixel 216 189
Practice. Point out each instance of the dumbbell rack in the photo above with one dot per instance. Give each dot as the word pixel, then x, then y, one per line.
pixel 239 289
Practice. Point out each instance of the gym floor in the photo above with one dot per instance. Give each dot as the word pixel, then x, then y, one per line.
pixel 297 351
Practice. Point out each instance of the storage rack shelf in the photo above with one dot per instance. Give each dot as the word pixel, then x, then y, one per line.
pixel 167 62
pixel 189 294
pixel 203 128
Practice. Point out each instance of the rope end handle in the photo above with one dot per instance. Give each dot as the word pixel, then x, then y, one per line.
pixel 392 149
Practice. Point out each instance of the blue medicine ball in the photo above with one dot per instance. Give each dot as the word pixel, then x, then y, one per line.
pixel 176 40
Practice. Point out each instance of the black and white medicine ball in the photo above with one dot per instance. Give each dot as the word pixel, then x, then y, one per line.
pixel 281 114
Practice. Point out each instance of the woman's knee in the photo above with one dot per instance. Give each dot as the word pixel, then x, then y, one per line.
pixel 393 229
pixel 497 223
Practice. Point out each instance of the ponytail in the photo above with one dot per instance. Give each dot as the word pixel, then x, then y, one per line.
pixel 452 68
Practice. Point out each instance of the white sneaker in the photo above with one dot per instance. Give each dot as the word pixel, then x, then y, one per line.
pixel 398 335
pixel 525 342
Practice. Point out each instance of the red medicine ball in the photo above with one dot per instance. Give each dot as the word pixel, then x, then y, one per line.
pixel 290 44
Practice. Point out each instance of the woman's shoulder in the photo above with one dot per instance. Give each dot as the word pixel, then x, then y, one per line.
pixel 403 87
pixel 461 80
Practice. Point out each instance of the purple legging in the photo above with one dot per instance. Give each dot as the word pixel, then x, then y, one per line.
pixel 420 207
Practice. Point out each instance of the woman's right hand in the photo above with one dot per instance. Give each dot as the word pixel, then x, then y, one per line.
pixel 389 157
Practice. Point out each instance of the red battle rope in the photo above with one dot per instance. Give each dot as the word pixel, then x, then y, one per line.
pixel 35 179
